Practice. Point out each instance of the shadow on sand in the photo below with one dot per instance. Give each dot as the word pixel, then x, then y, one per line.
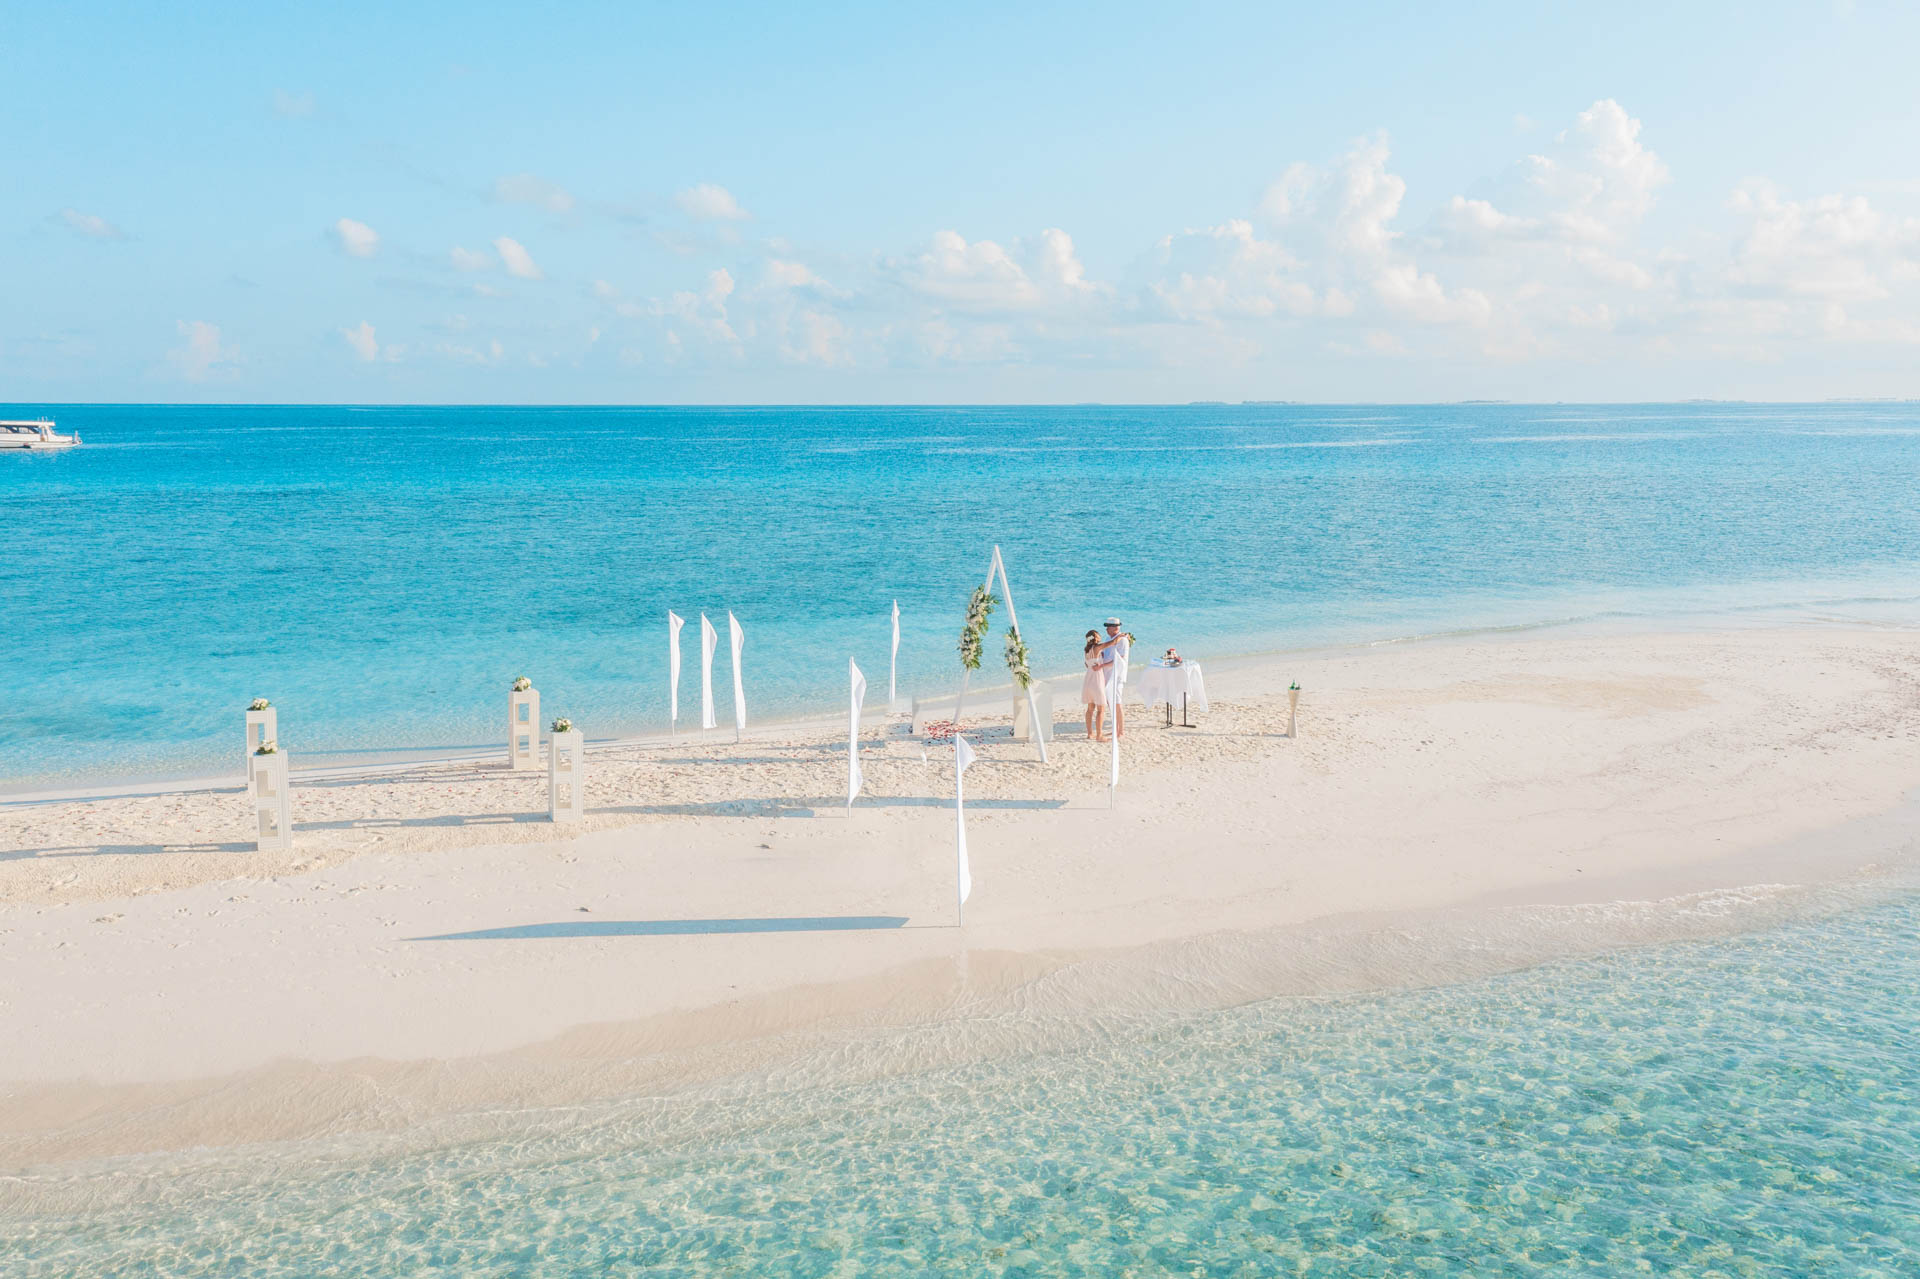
pixel 676 927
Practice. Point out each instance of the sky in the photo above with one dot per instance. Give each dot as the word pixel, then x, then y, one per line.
pixel 897 203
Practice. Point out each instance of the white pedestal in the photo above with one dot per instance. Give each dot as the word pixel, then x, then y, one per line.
pixel 523 729
pixel 267 782
pixel 567 776
pixel 1043 703
pixel 262 727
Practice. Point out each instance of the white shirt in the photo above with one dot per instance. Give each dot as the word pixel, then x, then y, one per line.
pixel 1116 657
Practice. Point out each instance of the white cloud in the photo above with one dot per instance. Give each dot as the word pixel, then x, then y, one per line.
pixel 1835 247
pixel 789 275
pixel 202 356
pixel 357 239
pixel 706 310
pixel 985 277
pixel 813 336
pixel 471 259
pixel 1229 271
pixel 515 258
pixel 525 188
pixel 1552 258
pixel 710 203
pixel 362 340
pixel 1834 267
pixel 91 225
pixel 1335 247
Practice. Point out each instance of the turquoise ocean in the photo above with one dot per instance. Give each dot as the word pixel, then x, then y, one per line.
pixel 382 574
pixel 1730 1090
pixel 1738 1105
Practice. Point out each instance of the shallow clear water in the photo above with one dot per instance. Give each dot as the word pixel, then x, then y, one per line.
pixel 382 574
pixel 1732 1107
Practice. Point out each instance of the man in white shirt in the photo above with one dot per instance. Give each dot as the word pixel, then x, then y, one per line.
pixel 1113 658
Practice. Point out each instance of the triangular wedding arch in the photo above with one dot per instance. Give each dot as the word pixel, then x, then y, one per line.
pixel 997 568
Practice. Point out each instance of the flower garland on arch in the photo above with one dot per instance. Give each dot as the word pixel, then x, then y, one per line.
pixel 1016 650
pixel 973 635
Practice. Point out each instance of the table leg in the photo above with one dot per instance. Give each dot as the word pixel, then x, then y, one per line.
pixel 1183 712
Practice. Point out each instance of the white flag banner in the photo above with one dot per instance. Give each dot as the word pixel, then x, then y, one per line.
pixel 893 662
pixel 962 756
pixel 855 779
pixel 708 638
pixel 674 623
pixel 738 635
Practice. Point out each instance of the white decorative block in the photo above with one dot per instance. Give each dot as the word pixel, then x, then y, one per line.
pixel 523 728
pixel 262 727
pixel 1042 703
pixel 267 782
pixel 567 776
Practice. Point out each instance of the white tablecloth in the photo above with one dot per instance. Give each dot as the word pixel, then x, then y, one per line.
pixel 1156 684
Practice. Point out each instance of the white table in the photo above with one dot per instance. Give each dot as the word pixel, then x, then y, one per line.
pixel 1184 684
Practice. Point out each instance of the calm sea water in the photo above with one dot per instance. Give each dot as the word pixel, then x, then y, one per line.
pixel 382 574
pixel 1728 1108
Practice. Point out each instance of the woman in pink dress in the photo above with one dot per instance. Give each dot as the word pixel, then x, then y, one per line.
pixel 1093 688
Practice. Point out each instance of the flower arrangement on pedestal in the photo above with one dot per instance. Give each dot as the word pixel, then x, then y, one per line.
pixel 268 748
pixel 522 684
pixel 563 726
pixel 1016 651
pixel 974 633
pixel 259 704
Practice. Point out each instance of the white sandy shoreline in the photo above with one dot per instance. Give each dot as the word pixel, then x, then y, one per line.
pixel 163 983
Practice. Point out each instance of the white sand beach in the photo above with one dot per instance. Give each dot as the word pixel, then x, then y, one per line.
pixel 161 983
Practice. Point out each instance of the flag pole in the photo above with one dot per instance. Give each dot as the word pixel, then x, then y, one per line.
pixel 1113 730
pixel 959 885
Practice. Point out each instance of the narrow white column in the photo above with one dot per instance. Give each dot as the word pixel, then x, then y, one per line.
pixel 566 773
pixel 268 783
pixel 263 725
pixel 523 725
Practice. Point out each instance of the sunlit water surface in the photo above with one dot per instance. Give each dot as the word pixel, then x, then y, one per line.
pixel 1730 1107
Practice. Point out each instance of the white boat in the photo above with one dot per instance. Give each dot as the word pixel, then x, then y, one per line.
pixel 34 435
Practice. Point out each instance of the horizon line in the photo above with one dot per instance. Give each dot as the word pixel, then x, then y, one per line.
pixel 36 405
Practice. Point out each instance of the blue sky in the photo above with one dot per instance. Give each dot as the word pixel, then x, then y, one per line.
pixel 639 203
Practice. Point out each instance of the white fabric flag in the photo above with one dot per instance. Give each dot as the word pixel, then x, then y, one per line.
pixel 738 635
pixel 708 638
pixel 962 756
pixel 674 623
pixel 855 779
pixel 893 662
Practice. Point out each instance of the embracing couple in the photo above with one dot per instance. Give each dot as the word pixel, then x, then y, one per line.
pixel 1106 663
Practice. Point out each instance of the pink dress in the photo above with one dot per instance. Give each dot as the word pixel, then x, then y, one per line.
pixel 1093 689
